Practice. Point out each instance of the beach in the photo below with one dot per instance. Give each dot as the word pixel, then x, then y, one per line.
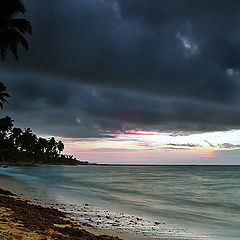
pixel 119 120
pixel 25 217
pixel 20 219
pixel 136 202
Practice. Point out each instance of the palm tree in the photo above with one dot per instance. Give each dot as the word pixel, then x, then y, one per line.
pixel 12 30
pixel 15 136
pixel 28 141
pixel 6 125
pixel 3 95
pixel 60 146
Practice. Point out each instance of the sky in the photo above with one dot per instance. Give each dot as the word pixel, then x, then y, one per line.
pixel 131 82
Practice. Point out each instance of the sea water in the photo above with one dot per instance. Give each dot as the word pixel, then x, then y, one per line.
pixel 156 202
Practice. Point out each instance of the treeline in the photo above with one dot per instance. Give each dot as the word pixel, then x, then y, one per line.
pixel 19 146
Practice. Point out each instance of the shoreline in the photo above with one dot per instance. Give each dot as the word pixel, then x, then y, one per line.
pixel 86 219
pixel 23 219
pixel 74 226
pixel 96 219
pixel 28 164
pixel 85 223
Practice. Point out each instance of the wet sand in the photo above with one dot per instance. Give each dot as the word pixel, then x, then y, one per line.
pixel 21 219
pixel 98 221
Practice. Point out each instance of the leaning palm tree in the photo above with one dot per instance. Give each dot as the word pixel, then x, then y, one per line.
pixel 3 95
pixel 12 30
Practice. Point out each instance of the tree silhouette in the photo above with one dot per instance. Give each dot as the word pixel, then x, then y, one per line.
pixel 3 95
pixel 60 146
pixel 17 145
pixel 12 30
pixel 23 146
pixel 15 137
pixel 6 125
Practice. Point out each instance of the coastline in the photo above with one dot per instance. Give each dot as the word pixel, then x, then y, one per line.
pixel 87 220
pixel 19 190
pixel 86 195
pixel 29 164
pixel 23 219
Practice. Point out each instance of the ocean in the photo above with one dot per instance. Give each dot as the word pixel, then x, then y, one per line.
pixel 153 202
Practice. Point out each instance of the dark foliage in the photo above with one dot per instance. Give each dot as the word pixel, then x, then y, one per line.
pixel 12 30
pixel 3 95
pixel 19 146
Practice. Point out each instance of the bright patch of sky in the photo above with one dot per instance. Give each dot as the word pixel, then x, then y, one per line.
pixel 231 72
pixel 188 44
pixel 138 147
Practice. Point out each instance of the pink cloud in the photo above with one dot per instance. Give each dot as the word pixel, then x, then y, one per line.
pixel 208 155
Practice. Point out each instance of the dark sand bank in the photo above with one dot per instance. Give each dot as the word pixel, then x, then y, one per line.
pixel 20 219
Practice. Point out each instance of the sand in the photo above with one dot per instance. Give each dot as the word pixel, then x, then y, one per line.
pixel 23 220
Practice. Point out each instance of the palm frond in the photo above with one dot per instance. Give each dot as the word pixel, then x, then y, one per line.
pixel 11 7
pixel 22 25
pixel 10 40
pixel 12 30
pixel 21 39
pixel 3 95
pixel 3 100
pixel 3 53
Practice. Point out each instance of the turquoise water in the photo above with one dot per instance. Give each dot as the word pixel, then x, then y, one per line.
pixel 191 202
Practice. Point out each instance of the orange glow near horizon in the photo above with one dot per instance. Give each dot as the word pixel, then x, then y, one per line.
pixel 209 155
pixel 149 147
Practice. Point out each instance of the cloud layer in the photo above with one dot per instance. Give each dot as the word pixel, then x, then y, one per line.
pixel 101 66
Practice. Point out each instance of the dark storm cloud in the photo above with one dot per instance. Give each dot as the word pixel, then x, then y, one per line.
pixel 108 65
pixel 189 145
pixel 210 144
pixel 52 106
pixel 110 150
pixel 174 148
pixel 139 44
pixel 228 145
pixel 183 133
